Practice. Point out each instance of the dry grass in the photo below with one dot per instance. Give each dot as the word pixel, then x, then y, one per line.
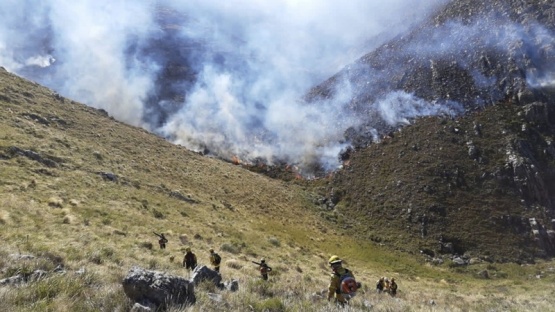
pixel 90 203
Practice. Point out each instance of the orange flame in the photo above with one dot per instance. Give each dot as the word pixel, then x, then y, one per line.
pixel 235 160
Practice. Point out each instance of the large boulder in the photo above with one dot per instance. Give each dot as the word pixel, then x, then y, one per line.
pixel 158 288
pixel 202 273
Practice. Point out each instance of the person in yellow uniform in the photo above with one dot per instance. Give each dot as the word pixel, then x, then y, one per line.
pixel 215 260
pixel 338 274
pixel 393 288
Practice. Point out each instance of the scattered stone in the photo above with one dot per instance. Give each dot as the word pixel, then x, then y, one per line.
pixel 459 261
pixel 109 176
pixel 484 274
pixel 215 297
pixel 137 307
pixel 21 257
pixel 13 280
pixel 178 195
pixel 367 304
pixel 13 150
pixel 232 285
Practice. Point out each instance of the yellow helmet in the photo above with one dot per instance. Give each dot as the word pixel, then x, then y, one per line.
pixel 188 249
pixel 211 250
pixel 334 259
pixel 262 260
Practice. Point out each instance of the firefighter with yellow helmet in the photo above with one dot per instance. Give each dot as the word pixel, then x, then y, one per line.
pixel 342 282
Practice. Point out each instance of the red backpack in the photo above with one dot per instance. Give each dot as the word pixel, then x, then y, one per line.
pixel 347 284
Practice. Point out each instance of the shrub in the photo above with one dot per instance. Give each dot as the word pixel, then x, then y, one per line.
pixel 147 245
pixel 234 248
pixel 234 264
pixel 260 287
pixel 158 214
pixel 274 241
pixel 153 263
pixel 270 305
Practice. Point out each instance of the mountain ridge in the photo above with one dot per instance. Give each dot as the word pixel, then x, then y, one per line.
pixel 476 58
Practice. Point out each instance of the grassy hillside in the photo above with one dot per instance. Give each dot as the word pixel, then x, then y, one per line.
pixel 82 193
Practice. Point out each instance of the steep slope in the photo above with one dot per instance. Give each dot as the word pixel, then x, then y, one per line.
pixel 456 186
pixel 67 168
pixel 480 183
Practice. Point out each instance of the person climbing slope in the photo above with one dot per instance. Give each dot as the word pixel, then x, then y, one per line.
pixel 215 260
pixel 190 259
pixel 343 285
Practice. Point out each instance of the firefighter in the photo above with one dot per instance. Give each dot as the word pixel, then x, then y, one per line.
pixel 393 287
pixel 338 288
pixel 215 260
pixel 190 259
pixel 264 269
pixel 380 285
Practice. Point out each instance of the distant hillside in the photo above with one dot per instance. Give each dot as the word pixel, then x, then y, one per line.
pixel 480 183
pixel 472 184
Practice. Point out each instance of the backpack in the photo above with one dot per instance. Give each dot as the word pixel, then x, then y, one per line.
pixel 347 284
pixel 217 259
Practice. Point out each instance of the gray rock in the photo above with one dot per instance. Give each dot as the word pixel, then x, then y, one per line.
pixel 484 274
pixel 459 261
pixel 536 112
pixel 202 273
pixel 13 280
pixel 232 285
pixel 158 288
pixel 215 297
pixel 21 257
pixel 137 307
pixel 526 97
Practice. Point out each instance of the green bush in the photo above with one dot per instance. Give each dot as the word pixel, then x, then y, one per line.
pixel 270 305
pixel 233 247
pixel 274 241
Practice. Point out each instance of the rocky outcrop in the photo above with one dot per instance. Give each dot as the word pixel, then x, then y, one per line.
pixel 154 288
pixel 544 237
pixel 468 56
pixel 202 273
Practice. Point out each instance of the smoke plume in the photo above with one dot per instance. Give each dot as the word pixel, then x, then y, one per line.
pixel 226 77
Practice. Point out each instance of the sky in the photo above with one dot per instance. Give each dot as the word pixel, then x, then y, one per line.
pixel 251 63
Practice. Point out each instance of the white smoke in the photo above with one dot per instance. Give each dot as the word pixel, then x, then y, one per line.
pixel 40 60
pixel 398 108
pixel 247 106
